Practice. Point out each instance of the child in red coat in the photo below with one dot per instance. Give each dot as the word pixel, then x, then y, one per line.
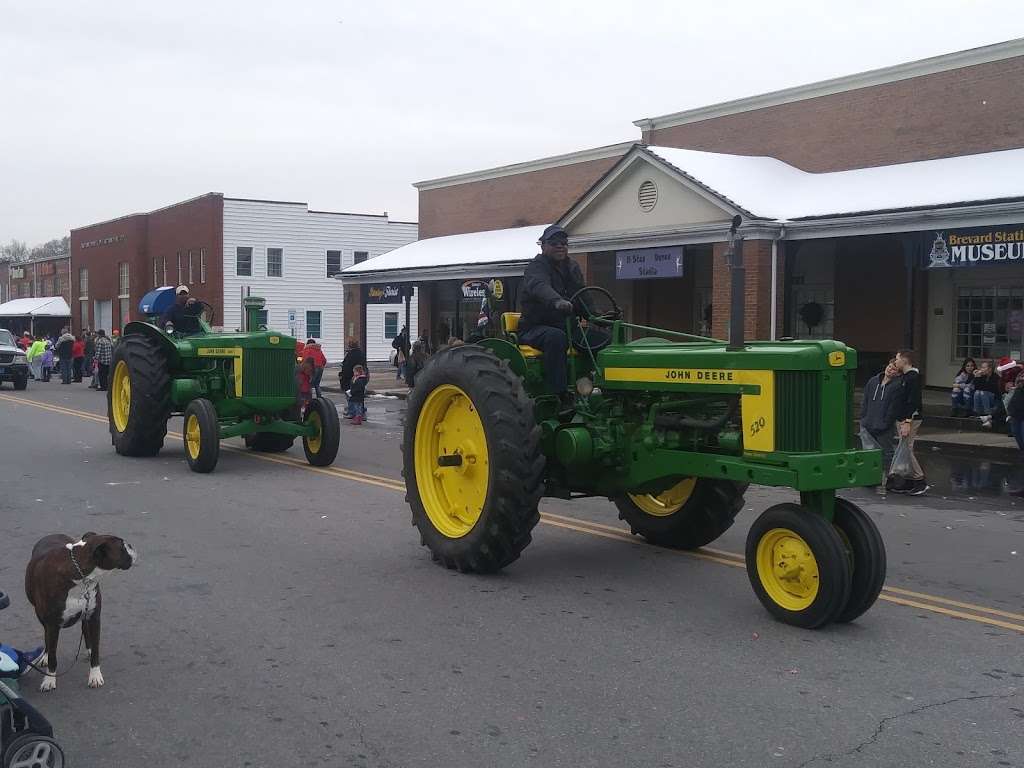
pixel 305 377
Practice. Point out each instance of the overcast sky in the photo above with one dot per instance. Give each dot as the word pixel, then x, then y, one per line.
pixel 114 107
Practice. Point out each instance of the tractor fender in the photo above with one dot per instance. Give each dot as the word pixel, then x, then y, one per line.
pixel 506 350
pixel 165 342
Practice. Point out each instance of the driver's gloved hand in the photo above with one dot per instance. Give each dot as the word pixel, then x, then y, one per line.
pixel 564 306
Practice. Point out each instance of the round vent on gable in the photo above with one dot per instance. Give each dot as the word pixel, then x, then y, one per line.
pixel 647 196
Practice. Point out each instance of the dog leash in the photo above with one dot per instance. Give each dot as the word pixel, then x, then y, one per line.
pixel 81 638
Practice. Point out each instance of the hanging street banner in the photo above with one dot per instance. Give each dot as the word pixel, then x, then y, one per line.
pixel 957 248
pixel 649 263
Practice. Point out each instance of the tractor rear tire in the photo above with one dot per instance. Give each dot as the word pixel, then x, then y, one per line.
pixel 322 450
pixel 138 397
pixel 201 436
pixel 472 463
pixel 689 515
pixel 269 442
pixel 866 550
pixel 798 566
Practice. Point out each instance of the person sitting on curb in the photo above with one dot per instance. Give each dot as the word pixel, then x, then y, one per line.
pixel 987 388
pixel 963 389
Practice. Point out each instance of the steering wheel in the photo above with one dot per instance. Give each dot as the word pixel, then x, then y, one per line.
pixel 211 311
pixel 613 314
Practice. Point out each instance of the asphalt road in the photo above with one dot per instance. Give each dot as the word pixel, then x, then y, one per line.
pixel 282 616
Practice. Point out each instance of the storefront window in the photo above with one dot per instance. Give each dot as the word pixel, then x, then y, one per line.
pixel 390 325
pixel 989 321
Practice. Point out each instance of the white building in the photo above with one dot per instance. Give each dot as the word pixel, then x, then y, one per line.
pixel 289 255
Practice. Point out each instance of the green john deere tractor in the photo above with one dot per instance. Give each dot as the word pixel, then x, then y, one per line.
pixel 224 384
pixel 671 427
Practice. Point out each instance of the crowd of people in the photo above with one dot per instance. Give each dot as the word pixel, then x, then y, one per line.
pixel 73 356
pixel 993 392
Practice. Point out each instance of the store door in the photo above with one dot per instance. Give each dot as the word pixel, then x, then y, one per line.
pixel 103 314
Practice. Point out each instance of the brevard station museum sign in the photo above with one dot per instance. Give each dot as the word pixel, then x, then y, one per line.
pixel 971 247
pixel 649 263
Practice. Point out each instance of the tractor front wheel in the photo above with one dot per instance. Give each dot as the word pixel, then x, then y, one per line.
pixel 472 462
pixel 866 551
pixel 322 448
pixel 138 397
pixel 798 566
pixel 202 436
pixel 691 514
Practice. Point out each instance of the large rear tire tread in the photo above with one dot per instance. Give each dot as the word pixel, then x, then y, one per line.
pixel 834 573
pixel 330 433
pixel 516 471
pixel 151 397
pixel 707 514
pixel 867 552
pixel 209 436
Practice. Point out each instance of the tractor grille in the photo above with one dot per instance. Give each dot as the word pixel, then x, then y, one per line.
pixel 798 411
pixel 268 373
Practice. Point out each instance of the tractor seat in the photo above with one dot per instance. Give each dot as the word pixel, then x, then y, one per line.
pixel 510 325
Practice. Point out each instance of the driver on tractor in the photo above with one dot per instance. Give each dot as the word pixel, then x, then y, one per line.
pixel 184 313
pixel 549 282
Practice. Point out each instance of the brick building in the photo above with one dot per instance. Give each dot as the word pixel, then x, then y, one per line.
pixel 222 248
pixel 35 277
pixel 865 271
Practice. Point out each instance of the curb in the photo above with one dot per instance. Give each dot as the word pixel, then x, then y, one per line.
pixel 401 394
pixel 1008 455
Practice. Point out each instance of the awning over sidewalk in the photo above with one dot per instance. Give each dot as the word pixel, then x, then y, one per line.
pixel 42 306
pixel 501 252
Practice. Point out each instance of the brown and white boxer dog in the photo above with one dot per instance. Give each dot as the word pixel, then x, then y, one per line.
pixel 62 581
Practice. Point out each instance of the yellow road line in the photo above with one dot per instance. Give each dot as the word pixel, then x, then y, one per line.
pixel 602 530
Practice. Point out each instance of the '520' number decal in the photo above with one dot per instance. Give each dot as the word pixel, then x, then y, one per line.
pixel 757 425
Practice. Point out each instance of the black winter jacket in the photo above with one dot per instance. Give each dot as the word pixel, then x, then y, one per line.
pixel 876 411
pixel 545 281
pixel 908 404
pixel 355 356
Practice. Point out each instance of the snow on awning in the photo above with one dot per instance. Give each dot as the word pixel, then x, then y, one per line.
pixel 497 253
pixel 41 306
pixel 769 188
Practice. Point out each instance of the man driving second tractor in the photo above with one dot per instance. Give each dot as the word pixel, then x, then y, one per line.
pixel 184 313
pixel 549 281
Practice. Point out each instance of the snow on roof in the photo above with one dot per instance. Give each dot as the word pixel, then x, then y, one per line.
pixel 770 188
pixel 491 247
pixel 40 306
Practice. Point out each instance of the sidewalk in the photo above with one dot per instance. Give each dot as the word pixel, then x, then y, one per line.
pixel 382 381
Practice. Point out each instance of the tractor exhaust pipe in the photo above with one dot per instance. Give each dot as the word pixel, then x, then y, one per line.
pixel 737 287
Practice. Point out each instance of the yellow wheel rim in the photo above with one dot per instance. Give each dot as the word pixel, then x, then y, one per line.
pixel 121 396
pixel 313 443
pixel 453 490
pixel 192 435
pixel 667 502
pixel 788 569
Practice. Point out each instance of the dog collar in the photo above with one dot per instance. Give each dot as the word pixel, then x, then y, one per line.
pixel 74 562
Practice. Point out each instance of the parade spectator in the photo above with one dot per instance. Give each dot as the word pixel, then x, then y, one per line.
pixel 417 360
pixel 401 346
pixel 987 387
pixel 963 389
pixel 354 356
pixel 64 348
pixel 357 394
pixel 877 413
pixel 908 412
pixel 1015 410
pixel 315 351
pixel 34 354
pixel 77 359
pixel 47 361
pixel 25 341
pixel 90 356
pixel 307 369
pixel 424 339
pixel 104 354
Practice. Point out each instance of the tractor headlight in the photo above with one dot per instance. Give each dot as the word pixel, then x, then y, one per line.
pixel 584 386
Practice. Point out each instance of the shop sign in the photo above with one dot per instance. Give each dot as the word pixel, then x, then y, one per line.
pixel 103 241
pixel 649 263
pixel 17 273
pixel 384 294
pixel 474 289
pixel 971 247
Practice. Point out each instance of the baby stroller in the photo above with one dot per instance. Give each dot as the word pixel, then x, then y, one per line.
pixel 26 737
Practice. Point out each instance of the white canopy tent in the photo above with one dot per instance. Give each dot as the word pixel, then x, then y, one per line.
pixel 39 306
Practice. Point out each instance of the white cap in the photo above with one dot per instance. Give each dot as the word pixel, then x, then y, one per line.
pixel 181 289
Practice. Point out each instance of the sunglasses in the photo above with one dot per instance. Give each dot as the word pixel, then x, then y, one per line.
pixel 557 241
